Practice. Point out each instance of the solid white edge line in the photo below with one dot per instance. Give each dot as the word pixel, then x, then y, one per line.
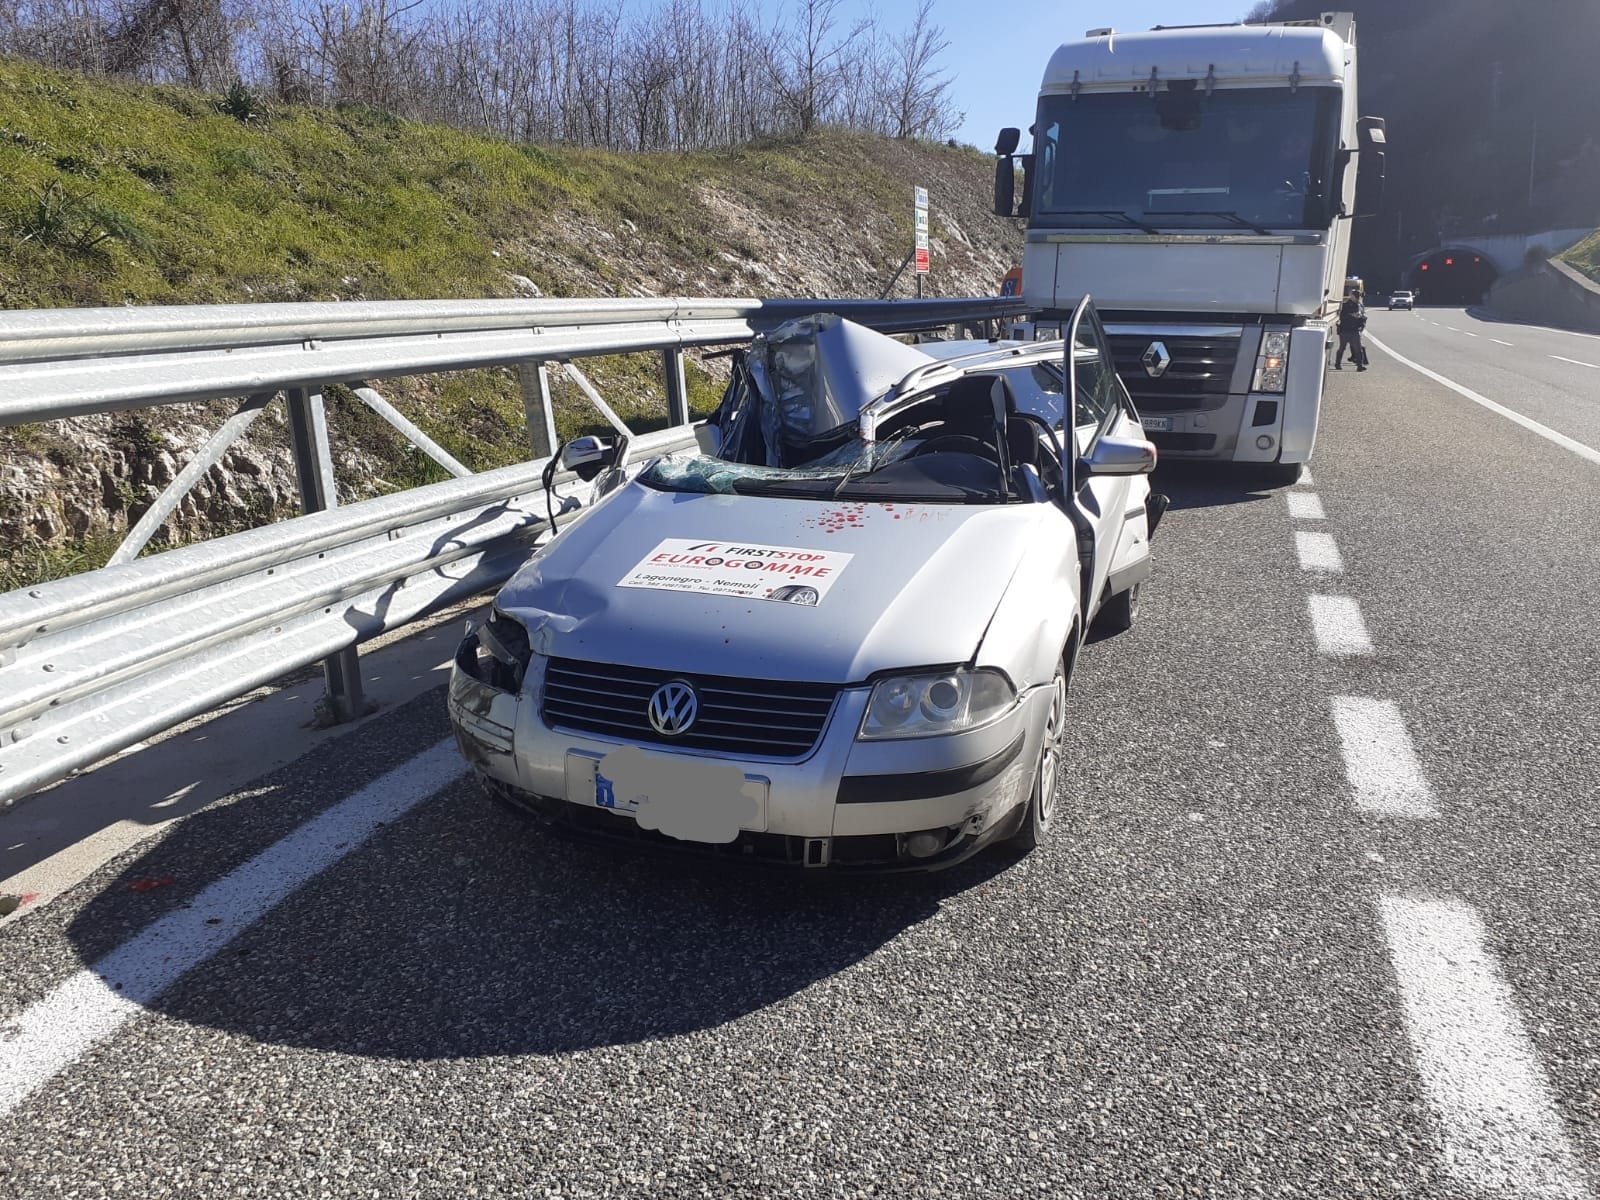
pixel 1385 776
pixel 1318 552
pixel 52 1033
pixel 1501 1132
pixel 1337 623
pixel 1528 423
pixel 1305 506
pixel 1577 362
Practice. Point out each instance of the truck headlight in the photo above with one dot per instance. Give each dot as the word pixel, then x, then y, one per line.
pixel 908 706
pixel 1272 363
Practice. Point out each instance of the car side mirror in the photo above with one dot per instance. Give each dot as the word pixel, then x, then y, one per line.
pixel 1119 456
pixel 586 457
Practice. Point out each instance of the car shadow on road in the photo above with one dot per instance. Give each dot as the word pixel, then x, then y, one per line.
pixel 461 931
pixel 1209 485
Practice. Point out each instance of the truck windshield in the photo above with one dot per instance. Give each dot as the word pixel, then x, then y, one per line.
pixel 1236 159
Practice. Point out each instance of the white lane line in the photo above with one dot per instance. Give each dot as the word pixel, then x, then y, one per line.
pixel 1452 329
pixel 1528 423
pixel 1502 1135
pixel 52 1033
pixel 1379 762
pixel 1498 342
pixel 1576 362
pixel 1338 625
pixel 1305 477
pixel 1305 506
pixel 1318 552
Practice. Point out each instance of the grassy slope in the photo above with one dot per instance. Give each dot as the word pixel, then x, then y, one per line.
pixel 311 204
pixel 1585 256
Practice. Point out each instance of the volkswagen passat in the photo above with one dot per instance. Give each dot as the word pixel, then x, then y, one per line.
pixel 841 635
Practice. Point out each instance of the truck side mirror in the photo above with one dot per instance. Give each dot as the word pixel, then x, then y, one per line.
pixel 1005 172
pixel 1005 186
pixel 1371 137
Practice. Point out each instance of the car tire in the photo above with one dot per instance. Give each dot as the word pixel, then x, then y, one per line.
pixel 1118 613
pixel 1039 815
pixel 1279 474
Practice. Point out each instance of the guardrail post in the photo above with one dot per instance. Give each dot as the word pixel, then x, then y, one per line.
pixel 677 389
pixel 535 380
pixel 313 465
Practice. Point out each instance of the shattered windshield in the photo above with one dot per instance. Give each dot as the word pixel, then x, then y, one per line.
pixel 698 473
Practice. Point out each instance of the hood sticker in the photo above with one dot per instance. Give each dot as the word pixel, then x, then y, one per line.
pixel 790 574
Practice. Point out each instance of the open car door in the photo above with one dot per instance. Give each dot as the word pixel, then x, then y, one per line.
pixel 1101 424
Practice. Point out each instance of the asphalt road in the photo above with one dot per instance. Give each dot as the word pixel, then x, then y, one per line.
pixel 1322 917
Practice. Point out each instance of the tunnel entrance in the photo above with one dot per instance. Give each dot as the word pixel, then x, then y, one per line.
pixel 1451 275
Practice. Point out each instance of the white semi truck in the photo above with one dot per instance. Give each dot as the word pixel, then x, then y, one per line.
pixel 1199 183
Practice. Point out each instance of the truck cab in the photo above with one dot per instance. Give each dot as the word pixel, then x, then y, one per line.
pixel 1199 183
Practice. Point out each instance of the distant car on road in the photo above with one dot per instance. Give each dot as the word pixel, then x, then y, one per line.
pixel 1402 300
pixel 841 639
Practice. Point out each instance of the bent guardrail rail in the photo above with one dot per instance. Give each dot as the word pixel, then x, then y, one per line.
pixel 92 664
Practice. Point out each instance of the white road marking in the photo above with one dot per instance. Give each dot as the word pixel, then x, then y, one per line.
pixel 1576 362
pixel 1339 628
pixel 1379 762
pixel 54 1032
pixel 1452 329
pixel 1468 332
pixel 1305 506
pixel 1528 423
pixel 1498 342
pixel 1305 477
pixel 1318 552
pixel 1501 1133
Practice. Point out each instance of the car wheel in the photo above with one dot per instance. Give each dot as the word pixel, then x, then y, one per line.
pixel 1279 474
pixel 1040 815
pixel 1119 612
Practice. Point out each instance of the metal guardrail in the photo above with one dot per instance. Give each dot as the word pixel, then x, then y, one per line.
pixel 92 664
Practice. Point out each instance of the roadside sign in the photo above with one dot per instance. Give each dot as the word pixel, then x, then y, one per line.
pixel 920 217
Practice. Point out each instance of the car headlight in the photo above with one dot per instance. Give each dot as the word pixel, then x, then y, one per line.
pixel 1272 363
pixel 908 706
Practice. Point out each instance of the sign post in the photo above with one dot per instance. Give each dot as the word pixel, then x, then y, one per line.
pixel 921 252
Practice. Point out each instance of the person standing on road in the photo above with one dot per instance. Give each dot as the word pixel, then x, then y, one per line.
pixel 1352 320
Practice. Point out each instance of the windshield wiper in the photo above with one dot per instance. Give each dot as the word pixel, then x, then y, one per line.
pixel 1105 212
pixel 1207 212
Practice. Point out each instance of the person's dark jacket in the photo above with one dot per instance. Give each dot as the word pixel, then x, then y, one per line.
pixel 1351 318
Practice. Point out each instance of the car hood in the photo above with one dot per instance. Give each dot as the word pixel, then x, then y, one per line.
pixel 919 587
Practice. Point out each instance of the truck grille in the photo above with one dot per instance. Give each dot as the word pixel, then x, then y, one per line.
pixel 1201 368
pixel 747 717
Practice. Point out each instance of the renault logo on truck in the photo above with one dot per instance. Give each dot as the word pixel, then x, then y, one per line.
pixel 673 708
pixel 1156 360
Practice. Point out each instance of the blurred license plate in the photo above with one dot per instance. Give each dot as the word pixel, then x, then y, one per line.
pixel 1156 424
pixel 586 785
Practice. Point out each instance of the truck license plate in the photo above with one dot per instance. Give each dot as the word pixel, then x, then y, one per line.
pixel 1156 424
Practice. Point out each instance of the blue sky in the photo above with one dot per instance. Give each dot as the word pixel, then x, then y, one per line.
pixel 998 51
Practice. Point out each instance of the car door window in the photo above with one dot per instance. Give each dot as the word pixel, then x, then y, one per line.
pixel 1038 391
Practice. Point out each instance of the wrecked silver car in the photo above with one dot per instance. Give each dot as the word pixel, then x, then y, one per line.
pixel 842 634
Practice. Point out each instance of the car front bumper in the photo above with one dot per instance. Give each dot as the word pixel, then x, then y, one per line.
pixel 847 804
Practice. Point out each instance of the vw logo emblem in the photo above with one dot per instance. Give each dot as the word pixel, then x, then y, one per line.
pixel 1156 360
pixel 673 708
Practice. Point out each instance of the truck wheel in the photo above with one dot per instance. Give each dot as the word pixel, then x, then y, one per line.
pixel 1119 612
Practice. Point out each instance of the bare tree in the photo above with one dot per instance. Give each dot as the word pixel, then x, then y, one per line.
pixel 808 66
pixel 916 91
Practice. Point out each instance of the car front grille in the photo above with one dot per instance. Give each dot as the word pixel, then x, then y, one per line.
pixel 746 717
pixel 1201 368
